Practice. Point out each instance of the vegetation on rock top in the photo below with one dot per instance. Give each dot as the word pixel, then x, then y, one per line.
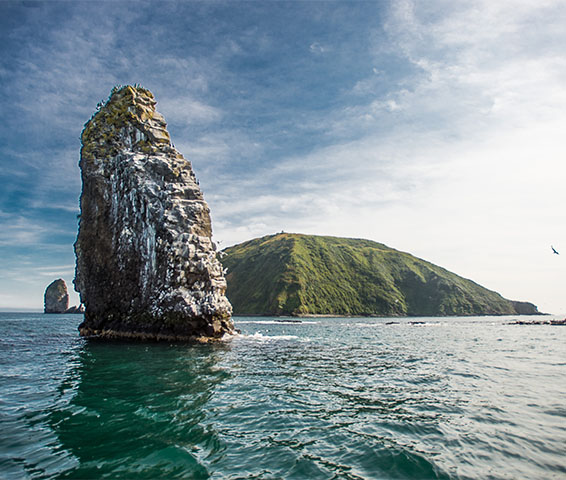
pixel 294 274
pixel 130 113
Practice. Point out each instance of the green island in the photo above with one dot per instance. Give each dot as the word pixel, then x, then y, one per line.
pixel 295 274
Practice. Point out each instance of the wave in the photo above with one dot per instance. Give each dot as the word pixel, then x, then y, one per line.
pixel 275 322
pixel 268 338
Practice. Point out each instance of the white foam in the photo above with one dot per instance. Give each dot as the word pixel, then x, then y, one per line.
pixel 371 325
pixel 257 336
pixel 274 322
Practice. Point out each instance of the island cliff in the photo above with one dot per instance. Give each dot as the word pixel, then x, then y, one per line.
pixel 146 264
pixel 294 274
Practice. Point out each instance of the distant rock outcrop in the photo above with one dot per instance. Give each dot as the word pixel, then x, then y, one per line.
pixel 76 309
pixel 146 264
pixel 561 323
pixel 525 308
pixel 56 298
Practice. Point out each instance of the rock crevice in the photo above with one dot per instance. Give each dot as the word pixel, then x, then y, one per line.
pixel 146 263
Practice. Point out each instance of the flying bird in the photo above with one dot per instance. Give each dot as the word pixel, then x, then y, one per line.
pixel 554 250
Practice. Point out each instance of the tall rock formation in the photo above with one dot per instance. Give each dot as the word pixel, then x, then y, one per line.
pixel 56 298
pixel 146 264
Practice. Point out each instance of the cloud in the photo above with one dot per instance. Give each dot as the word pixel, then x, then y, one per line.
pixel 182 74
pixel 42 232
pixel 186 111
pixel 317 48
pixel 481 45
pixel 19 231
pixel 56 271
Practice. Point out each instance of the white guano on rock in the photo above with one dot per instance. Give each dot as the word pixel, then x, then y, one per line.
pixel 146 264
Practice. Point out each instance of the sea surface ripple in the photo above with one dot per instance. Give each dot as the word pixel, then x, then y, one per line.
pixel 348 398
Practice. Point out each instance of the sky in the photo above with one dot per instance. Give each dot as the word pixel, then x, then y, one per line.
pixel 436 127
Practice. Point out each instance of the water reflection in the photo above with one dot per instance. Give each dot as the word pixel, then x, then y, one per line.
pixel 305 408
pixel 138 410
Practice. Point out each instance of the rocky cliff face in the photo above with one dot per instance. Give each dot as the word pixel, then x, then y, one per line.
pixel 146 264
pixel 56 298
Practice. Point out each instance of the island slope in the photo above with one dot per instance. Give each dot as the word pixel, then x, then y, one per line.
pixel 295 274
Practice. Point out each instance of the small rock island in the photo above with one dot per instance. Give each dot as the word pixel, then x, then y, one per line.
pixel 146 266
pixel 56 298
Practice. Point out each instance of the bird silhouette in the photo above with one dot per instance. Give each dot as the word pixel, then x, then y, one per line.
pixel 554 250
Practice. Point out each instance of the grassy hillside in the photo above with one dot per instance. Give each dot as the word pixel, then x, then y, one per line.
pixel 293 274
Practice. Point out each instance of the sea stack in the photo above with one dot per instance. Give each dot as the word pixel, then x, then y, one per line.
pixel 56 298
pixel 146 264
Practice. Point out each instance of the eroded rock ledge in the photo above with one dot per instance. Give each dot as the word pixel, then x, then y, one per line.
pixel 146 264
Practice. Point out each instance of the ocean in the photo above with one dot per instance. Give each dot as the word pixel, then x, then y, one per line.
pixel 326 398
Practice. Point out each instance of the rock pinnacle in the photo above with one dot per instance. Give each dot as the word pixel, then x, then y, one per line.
pixel 146 264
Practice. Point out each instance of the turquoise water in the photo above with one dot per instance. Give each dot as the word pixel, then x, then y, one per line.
pixel 326 398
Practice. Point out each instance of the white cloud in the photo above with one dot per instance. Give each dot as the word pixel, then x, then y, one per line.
pixel 56 269
pixel 73 207
pixel 186 111
pixel 20 231
pixel 317 48
pixel 182 74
